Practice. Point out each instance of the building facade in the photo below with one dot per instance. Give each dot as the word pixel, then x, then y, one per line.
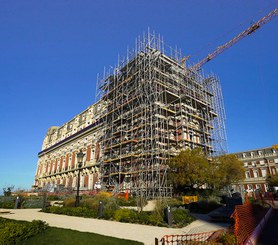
pixel 149 107
pixel 57 165
pixel 258 164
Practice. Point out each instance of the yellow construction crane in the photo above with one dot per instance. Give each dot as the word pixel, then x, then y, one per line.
pixel 233 41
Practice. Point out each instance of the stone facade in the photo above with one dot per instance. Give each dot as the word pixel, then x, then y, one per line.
pixel 258 163
pixel 57 165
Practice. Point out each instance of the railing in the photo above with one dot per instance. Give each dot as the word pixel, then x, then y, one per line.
pixel 189 239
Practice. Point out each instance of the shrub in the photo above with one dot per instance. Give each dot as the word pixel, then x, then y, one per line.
pixel 73 211
pixel 126 215
pixel 12 232
pixel 69 202
pixel 110 208
pixel 82 212
pixel 32 202
pixel 130 202
pixel 55 197
pixel 228 238
pixel 156 219
pixel 89 208
pixel 144 218
pixel 164 203
pixel 203 206
pixel 7 202
pixel 90 203
pixel 181 217
pixel 103 196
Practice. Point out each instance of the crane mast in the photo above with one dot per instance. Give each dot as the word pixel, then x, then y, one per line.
pixel 233 41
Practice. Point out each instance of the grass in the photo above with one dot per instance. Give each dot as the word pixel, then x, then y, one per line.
pixel 59 236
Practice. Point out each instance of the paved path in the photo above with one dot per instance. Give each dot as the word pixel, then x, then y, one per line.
pixel 142 233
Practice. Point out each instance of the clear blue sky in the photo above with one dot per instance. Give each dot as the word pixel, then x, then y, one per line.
pixel 51 52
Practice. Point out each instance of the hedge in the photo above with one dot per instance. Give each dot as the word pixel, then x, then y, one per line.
pixel 12 232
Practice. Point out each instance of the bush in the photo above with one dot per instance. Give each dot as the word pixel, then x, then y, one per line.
pixel 69 202
pixel 12 232
pixel 203 206
pixel 126 215
pixel 89 207
pixel 228 238
pixel 110 208
pixel 7 202
pixel 156 219
pixel 128 203
pixel 53 197
pixel 181 217
pixel 32 202
pixel 143 218
pixel 73 211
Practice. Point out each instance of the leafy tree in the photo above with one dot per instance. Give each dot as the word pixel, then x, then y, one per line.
pixel 272 180
pixel 8 190
pixel 225 170
pixel 189 169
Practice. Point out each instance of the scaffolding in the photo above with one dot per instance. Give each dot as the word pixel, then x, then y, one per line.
pixel 154 107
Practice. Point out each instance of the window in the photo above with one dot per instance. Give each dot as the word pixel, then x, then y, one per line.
pixel 263 173
pixel 250 187
pixel 247 174
pixel 256 174
pixel 258 186
pixel 252 154
pixel 246 164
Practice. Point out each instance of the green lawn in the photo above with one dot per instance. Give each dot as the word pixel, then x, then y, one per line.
pixel 59 236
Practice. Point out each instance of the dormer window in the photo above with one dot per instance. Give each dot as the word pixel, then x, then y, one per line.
pixel 252 154
pixel 260 153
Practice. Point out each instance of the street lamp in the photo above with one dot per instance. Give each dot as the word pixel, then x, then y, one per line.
pixel 79 156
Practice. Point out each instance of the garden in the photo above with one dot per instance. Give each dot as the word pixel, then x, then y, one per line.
pixel 118 208
pixel 108 207
pixel 38 232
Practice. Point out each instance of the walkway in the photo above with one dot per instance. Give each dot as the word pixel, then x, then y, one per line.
pixel 142 233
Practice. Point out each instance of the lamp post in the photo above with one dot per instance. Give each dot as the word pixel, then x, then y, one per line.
pixel 79 156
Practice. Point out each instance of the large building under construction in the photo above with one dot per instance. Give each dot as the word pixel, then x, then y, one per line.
pixel 149 107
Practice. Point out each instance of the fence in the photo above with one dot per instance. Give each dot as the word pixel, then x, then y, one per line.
pixel 247 217
pixel 189 239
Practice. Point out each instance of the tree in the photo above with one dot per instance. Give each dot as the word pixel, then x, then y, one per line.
pixel 225 170
pixel 189 169
pixel 8 190
pixel 272 180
